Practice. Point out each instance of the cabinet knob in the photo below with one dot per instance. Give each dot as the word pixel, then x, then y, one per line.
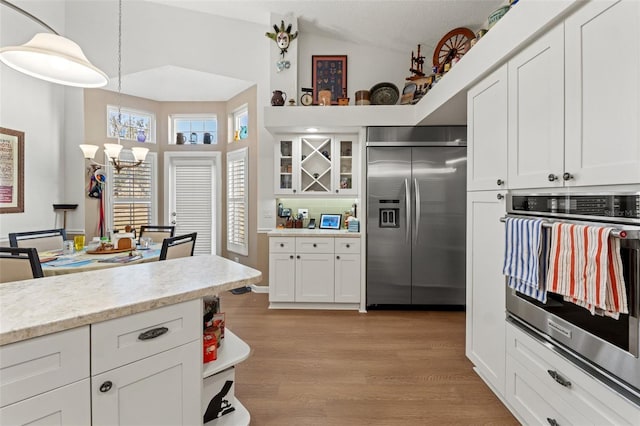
pixel 348 245
pixel 106 386
pixel 567 176
pixel 552 422
pixel 500 182
pixel 315 245
pixel 337 191
pixel 338 257
pixel 291 257
pixel 294 191
pixel 559 379
pixel 552 177
pixel 281 244
pixel 298 257
pixel 499 196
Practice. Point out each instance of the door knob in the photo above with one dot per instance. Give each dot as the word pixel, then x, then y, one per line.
pixel 567 176
pixel 552 177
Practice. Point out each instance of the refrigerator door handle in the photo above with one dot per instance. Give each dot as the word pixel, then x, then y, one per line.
pixel 407 203
pixel 416 189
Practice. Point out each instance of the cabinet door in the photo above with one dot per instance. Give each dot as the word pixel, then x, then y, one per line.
pixel 536 113
pixel 314 277
pixel 164 389
pixel 485 329
pixel 345 164
pixel 67 405
pixel 286 167
pixel 347 278
pixel 603 106
pixel 487 132
pixel 282 267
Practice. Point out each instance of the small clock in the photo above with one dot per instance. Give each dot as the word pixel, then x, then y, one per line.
pixel 307 97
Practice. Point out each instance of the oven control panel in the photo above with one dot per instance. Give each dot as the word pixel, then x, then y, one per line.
pixel 613 206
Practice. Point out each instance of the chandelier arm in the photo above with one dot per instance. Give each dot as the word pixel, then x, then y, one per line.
pixel 28 15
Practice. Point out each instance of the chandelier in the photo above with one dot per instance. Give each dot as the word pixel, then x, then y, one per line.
pixel 112 150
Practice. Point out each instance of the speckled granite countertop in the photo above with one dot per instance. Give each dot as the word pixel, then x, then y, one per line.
pixel 304 232
pixel 46 305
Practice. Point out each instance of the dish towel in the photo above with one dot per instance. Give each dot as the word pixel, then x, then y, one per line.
pixel 525 257
pixel 585 267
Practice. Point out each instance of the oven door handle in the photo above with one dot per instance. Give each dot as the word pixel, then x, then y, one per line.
pixel 616 232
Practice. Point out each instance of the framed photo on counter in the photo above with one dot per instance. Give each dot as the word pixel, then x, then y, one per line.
pixel 329 73
pixel 11 171
pixel 330 221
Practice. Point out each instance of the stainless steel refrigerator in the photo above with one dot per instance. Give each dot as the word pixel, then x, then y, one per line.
pixel 416 215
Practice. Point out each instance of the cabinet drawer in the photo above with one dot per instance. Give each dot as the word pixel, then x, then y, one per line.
pixel 347 245
pixel 595 401
pixel 37 365
pixel 121 341
pixel 282 245
pixel 314 245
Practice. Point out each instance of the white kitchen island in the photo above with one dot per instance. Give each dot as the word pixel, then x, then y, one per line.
pixel 116 346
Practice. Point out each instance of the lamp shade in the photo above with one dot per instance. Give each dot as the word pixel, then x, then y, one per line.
pixel 112 150
pixel 89 151
pixel 53 58
pixel 139 153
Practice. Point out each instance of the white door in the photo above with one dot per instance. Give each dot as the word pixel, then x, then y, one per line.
pixel 282 270
pixel 536 113
pixel 192 197
pixel 347 278
pixel 314 277
pixel 487 132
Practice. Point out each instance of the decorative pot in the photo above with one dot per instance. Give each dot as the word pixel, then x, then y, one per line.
pixel 278 98
pixel 141 136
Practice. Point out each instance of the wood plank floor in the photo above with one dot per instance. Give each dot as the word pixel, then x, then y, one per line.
pixel 346 368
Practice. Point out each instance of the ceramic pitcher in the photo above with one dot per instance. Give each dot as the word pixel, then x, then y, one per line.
pixel 278 98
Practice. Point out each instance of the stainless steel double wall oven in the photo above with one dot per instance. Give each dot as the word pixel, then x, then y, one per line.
pixel 605 347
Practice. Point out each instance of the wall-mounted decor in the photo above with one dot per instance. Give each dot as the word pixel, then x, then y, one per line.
pixel 11 171
pixel 329 73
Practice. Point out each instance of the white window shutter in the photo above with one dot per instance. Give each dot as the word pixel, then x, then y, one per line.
pixel 237 201
pixel 195 204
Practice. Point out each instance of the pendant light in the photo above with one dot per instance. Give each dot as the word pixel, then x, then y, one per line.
pixel 112 150
pixel 52 57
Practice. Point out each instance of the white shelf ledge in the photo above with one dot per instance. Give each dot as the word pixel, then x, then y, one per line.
pixel 232 351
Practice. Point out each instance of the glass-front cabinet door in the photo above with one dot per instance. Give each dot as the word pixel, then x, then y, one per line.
pixel 286 169
pixel 345 164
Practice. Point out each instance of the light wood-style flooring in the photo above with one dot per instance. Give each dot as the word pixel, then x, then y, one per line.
pixel 310 367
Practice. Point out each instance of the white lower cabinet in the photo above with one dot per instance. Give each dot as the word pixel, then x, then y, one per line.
pixel 544 388
pixel 323 270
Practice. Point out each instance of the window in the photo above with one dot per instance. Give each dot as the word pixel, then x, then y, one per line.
pixel 240 123
pixel 131 194
pixel 237 201
pixel 194 129
pixel 137 125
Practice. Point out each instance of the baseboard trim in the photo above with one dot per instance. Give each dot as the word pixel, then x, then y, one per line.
pixel 315 305
pixel 259 288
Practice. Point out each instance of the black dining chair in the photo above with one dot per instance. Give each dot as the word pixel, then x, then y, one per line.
pixel 45 240
pixel 179 246
pixel 18 264
pixel 157 233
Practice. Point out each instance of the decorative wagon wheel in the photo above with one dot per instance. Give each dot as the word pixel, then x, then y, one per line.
pixel 454 43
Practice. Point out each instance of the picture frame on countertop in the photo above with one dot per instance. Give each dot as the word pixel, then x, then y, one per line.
pixel 330 221
pixel 329 73
pixel 11 171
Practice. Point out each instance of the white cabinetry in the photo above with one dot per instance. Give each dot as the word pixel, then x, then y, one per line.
pixel 485 328
pixel 146 367
pixel 314 164
pixel 544 388
pixel 314 271
pixel 45 380
pixel 487 132
pixel 536 113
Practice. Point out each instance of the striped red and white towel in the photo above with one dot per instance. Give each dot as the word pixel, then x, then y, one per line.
pixel 585 267
pixel 525 257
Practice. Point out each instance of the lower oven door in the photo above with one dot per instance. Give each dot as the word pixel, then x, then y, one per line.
pixel 608 344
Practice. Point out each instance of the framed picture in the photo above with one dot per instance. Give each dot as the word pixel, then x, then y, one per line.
pixel 330 221
pixel 11 171
pixel 329 73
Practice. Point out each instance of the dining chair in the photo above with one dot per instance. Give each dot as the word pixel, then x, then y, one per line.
pixel 179 246
pixel 46 240
pixel 18 264
pixel 157 233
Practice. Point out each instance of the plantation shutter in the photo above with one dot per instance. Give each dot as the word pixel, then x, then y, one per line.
pixel 195 204
pixel 237 199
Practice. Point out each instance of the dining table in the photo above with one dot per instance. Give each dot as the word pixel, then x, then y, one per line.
pixel 55 263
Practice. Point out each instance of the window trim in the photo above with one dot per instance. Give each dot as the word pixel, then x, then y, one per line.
pixel 191 117
pixel 133 111
pixel 235 155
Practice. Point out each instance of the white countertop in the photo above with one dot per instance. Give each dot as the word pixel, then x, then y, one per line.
pixel 47 305
pixel 304 232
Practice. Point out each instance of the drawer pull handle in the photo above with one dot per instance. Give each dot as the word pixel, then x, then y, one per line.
pixel 153 333
pixel 106 386
pixel 558 378
pixel 552 422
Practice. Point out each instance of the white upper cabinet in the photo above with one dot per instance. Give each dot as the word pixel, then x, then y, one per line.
pixel 487 133
pixel 602 60
pixel 536 113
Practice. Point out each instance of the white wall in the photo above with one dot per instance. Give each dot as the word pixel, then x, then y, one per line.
pixel 36 108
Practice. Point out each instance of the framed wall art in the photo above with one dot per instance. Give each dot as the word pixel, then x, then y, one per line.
pixel 329 73
pixel 11 171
